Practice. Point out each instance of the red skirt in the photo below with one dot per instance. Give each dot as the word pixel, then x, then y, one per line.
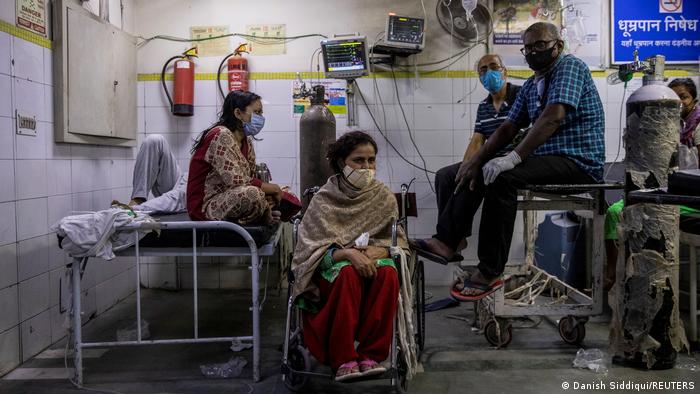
pixel 356 309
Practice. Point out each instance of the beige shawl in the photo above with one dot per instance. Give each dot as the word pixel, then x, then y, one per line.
pixel 338 215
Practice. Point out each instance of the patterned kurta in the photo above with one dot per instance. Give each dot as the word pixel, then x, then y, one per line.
pixel 222 183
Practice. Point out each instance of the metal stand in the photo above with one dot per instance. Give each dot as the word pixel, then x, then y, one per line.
pixel 352 109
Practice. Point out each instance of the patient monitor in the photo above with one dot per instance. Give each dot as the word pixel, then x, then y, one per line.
pixel 345 58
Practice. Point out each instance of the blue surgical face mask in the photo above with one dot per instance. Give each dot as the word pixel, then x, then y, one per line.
pixel 492 80
pixel 254 126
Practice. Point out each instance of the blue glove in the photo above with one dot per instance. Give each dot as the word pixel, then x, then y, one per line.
pixel 498 165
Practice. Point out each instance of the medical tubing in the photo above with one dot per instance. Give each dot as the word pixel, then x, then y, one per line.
pixel 410 135
pixel 362 96
pixel 162 79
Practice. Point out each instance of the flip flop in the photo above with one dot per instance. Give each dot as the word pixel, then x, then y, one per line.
pixel 371 368
pixel 350 375
pixel 421 247
pixel 484 288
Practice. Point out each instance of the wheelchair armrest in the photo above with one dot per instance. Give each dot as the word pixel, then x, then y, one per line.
pixel 395 232
pixel 296 219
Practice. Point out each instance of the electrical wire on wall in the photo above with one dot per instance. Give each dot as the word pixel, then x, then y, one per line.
pixel 408 127
pixel 378 94
pixel 451 59
pixel 376 124
pixel 252 38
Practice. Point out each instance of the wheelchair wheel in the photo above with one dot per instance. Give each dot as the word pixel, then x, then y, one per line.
pixel 572 330
pixel 419 294
pixel 498 332
pixel 298 360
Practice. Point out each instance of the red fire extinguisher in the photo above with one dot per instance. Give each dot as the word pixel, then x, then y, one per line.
pixel 237 68
pixel 182 102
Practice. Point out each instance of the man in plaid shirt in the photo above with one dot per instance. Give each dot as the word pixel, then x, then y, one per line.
pixel 564 146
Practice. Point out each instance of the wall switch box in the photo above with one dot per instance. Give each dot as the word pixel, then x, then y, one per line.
pixel 26 124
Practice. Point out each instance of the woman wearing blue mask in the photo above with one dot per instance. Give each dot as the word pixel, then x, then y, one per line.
pixel 222 181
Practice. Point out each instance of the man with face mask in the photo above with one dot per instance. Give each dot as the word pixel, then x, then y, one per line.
pixel 491 113
pixel 564 146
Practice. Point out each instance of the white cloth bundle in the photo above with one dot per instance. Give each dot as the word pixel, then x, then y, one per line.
pixel 93 234
pixel 405 321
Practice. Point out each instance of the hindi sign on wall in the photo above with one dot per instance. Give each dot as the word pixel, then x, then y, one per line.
pixel 215 47
pixel 656 27
pixel 266 39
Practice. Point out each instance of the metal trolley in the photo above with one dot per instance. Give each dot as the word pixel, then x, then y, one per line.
pixel 542 294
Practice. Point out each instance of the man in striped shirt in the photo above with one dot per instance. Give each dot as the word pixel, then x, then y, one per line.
pixel 492 112
pixel 564 146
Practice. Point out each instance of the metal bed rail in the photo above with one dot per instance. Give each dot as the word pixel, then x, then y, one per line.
pixel 251 250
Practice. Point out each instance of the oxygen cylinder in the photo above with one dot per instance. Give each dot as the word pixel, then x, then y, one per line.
pixel 647 271
pixel 316 132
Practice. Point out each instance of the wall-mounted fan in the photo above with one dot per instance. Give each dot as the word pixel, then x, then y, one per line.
pixel 462 25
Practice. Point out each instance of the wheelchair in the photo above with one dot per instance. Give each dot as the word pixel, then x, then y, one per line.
pixel 297 365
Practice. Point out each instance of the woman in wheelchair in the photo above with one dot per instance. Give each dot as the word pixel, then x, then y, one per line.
pixel 347 291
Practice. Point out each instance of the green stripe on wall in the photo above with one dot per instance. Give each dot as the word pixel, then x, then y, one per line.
pixel 26 35
pixel 401 74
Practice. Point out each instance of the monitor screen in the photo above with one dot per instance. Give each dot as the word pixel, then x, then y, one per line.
pixel 345 58
pixel 404 31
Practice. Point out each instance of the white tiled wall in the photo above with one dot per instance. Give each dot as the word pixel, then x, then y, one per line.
pixel 439 111
pixel 40 182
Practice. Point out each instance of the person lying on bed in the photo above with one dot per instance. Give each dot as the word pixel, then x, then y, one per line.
pixel 222 183
pixel 156 172
pixel 348 292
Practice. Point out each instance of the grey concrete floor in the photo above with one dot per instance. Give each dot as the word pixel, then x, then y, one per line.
pixel 456 359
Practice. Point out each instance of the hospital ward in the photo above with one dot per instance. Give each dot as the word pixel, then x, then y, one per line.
pixel 349 196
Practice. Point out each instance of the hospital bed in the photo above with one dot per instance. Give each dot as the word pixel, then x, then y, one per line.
pixel 177 235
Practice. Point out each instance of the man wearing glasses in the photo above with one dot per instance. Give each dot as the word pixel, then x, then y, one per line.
pixel 564 146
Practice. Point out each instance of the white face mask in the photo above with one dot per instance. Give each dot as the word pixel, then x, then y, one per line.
pixel 359 178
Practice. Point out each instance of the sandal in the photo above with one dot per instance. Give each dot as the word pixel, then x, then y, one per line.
pixel 484 289
pixel 347 371
pixel 371 368
pixel 466 272
pixel 421 247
